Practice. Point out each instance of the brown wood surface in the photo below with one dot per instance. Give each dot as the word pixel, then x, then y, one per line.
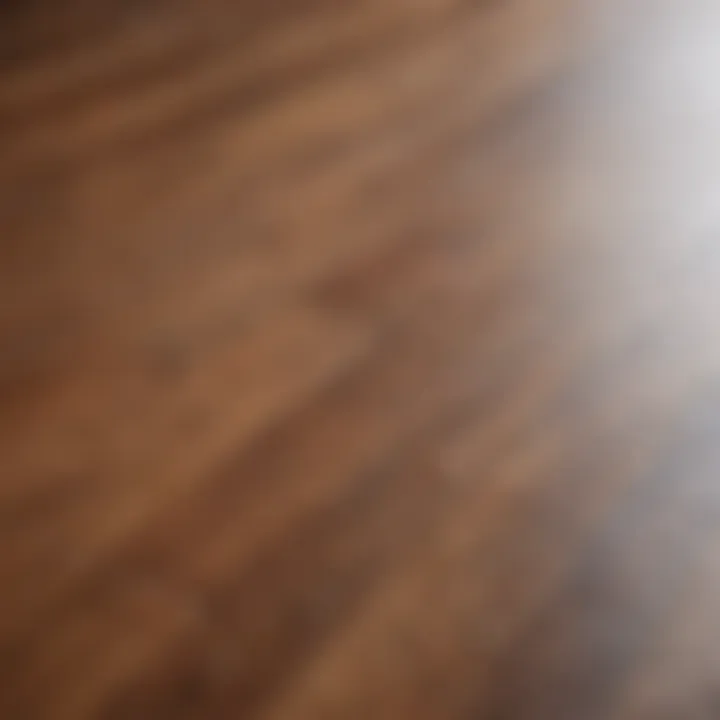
pixel 360 359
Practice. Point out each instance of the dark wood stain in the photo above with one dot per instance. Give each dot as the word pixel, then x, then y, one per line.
pixel 359 360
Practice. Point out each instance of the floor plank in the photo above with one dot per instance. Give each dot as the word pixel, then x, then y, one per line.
pixel 359 360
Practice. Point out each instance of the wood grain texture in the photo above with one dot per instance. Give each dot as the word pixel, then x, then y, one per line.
pixel 359 360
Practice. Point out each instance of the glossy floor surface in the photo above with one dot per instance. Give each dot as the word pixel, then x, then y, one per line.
pixel 360 360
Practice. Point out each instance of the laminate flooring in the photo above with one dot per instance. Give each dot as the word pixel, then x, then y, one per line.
pixel 360 360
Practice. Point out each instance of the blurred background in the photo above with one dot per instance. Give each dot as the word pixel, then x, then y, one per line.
pixel 359 360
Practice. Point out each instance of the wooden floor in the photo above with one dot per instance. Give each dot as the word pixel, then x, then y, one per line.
pixel 360 360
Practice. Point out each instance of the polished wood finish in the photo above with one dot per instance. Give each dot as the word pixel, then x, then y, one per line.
pixel 359 360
